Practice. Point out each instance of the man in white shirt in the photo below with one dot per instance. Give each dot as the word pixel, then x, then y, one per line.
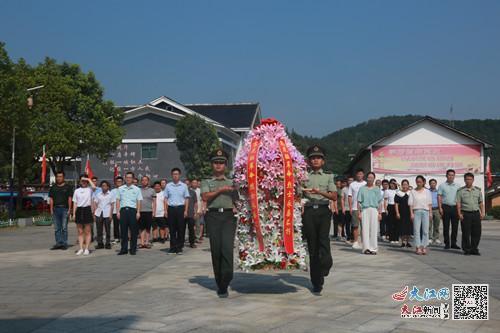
pixel 116 220
pixel 103 210
pixel 353 203
pixel 160 214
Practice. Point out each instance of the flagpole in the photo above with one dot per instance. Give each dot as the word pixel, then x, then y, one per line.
pixel 11 183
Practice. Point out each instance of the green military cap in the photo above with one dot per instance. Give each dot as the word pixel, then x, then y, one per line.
pixel 315 151
pixel 219 155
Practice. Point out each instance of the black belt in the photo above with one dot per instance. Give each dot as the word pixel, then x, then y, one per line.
pixel 180 206
pixel 128 208
pixel 449 205
pixel 316 206
pixel 220 210
pixel 61 206
pixel 470 211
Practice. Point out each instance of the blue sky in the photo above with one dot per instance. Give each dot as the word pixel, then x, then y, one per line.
pixel 315 65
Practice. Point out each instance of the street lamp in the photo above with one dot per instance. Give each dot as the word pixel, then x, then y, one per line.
pixel 11 182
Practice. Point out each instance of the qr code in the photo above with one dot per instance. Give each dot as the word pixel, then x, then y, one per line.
pixel 470 301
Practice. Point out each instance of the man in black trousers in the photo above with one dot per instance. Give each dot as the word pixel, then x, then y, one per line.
pixel 447 195
pixel 470 210
pixel 116 220
pixel 177 197
pixel 320 189
pixel 128 207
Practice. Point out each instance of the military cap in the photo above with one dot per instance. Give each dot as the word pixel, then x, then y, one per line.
pixel 219 155
pixel 315 151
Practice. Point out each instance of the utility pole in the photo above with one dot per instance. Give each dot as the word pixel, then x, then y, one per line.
pixel 11 182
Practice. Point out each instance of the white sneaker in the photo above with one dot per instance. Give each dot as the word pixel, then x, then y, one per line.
pixel 356 245
pixel 86 252
pixel 80 252
pixel 437 241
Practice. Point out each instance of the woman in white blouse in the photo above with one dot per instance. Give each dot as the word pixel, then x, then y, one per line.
pixel 420 202
pixel 82 213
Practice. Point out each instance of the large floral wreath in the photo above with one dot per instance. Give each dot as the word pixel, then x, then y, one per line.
pixel 270 239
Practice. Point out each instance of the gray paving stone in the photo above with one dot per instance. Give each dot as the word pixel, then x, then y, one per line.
pixel 154 292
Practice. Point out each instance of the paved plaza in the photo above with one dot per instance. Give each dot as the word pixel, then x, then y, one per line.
pixel 55 291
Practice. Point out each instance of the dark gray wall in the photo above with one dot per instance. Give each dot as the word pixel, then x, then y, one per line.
pixel 149 126
pixel 128 156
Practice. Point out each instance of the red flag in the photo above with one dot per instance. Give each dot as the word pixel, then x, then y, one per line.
pixel 88 169
pixel 489 177
pixel 44 166
pixel 115 173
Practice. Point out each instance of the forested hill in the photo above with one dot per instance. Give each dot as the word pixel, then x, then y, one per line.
pixel 341 143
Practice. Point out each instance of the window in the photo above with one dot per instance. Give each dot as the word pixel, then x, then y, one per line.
pixel 149 151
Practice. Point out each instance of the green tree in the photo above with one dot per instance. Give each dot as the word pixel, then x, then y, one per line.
pixel 196 139
pixel 72 117
pixel 69 115
pixel 7 83
pixel 15 78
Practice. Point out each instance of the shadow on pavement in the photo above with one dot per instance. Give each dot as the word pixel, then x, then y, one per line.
pixel 350 249
pixel 252 283
pixel 411 250
pixel 55 324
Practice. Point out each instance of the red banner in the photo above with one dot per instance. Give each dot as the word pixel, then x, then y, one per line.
pixel 115 172
pixel 88 169
pixel 288 198
pixel 489 176
pixel 414 159
pixel 252 178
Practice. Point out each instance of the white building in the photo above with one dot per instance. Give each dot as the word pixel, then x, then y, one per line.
pixel 426 147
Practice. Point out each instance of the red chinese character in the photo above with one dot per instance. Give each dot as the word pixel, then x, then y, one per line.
pixel 405 310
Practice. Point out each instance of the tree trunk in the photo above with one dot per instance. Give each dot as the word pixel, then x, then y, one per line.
pixel 20 192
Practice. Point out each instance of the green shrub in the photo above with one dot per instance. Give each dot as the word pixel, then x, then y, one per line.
pixel 495 212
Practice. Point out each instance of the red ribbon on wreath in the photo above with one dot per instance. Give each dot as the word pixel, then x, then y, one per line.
pixel 288 195
pixel 252 189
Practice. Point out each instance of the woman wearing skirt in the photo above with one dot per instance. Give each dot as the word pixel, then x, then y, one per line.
pixel 82 213
pixel 403 213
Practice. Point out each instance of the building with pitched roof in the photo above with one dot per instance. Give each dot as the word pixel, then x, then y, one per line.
pixel 426 147
pixel 148 146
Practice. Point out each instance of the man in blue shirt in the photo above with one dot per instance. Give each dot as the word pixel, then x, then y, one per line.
pixel 177 197
pixel 95 192
pixel 447 194
pixel 128 207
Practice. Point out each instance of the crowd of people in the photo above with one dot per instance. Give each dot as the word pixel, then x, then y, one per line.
pixel 162 212
pixel 382 210
pixel 364 211
pixel 138 216
pixel 400 214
